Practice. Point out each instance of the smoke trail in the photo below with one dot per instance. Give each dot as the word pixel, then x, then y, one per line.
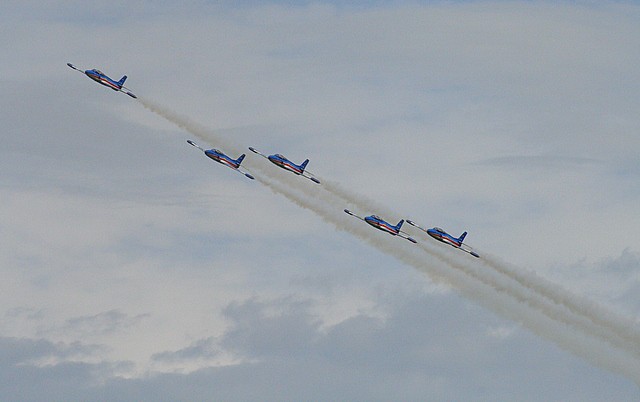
pixel 606 325
pixel 623 327
pixel 327 206
pixel 624 331
pixel 486 293
pixel 575 324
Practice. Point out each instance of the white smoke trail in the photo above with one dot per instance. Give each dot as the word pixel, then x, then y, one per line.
pixel 607 325
pixel 613 327
pixel 490 295
pixel 329 206
pixel 489 292
pixel 623 327
pixel 576 324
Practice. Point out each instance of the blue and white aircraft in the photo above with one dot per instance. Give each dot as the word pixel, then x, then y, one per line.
pixel 223 159
pixel 99 77
pixel 446 238
pixel 380 224
pixel 286 164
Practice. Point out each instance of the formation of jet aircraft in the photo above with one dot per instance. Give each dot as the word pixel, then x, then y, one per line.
pixel 300 170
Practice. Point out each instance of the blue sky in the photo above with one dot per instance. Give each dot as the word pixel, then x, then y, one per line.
pixel 135 268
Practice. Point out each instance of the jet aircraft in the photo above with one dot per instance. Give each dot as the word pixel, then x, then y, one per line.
pixel 380 224
pixel 286 164
pixel 223 159
pixel 101 78
pixel 446 238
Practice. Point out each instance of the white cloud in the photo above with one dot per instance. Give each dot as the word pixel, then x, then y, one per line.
pixel 288 357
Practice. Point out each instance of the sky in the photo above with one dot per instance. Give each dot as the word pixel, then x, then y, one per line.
pixel 134 268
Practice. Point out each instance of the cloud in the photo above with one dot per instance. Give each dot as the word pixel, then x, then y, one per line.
pixel 364 358
pixel 201 349
pixel 25 351
pixel 102 324
pixel 36 370
pixel 257 330
pixel 539 162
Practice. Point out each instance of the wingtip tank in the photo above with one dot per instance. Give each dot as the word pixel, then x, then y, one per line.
pixel 193 144
pixel 249 176
pixel 132 95
pixel 313 179
pixel 71 66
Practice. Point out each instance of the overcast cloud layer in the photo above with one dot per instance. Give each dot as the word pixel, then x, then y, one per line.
pixel 136 269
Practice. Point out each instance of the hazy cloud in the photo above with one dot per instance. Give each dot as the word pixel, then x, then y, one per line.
pixel 363 358
pixel 201 349
pixel 102 323
pixel 539 162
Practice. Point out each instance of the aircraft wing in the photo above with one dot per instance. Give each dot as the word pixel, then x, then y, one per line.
pixel 244 173
pixel 128 92
pixel 469 249
pixel 311 177
pixel 255 151
pixel 75 68
pixel 406 236
pixel 412 223
pixel 195 145
pixel 354 215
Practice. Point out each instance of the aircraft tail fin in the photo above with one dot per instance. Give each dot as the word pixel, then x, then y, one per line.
pixel 122 80
pixel 399 225
pixel 240 159
pixel 304 164
pixel 462 236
